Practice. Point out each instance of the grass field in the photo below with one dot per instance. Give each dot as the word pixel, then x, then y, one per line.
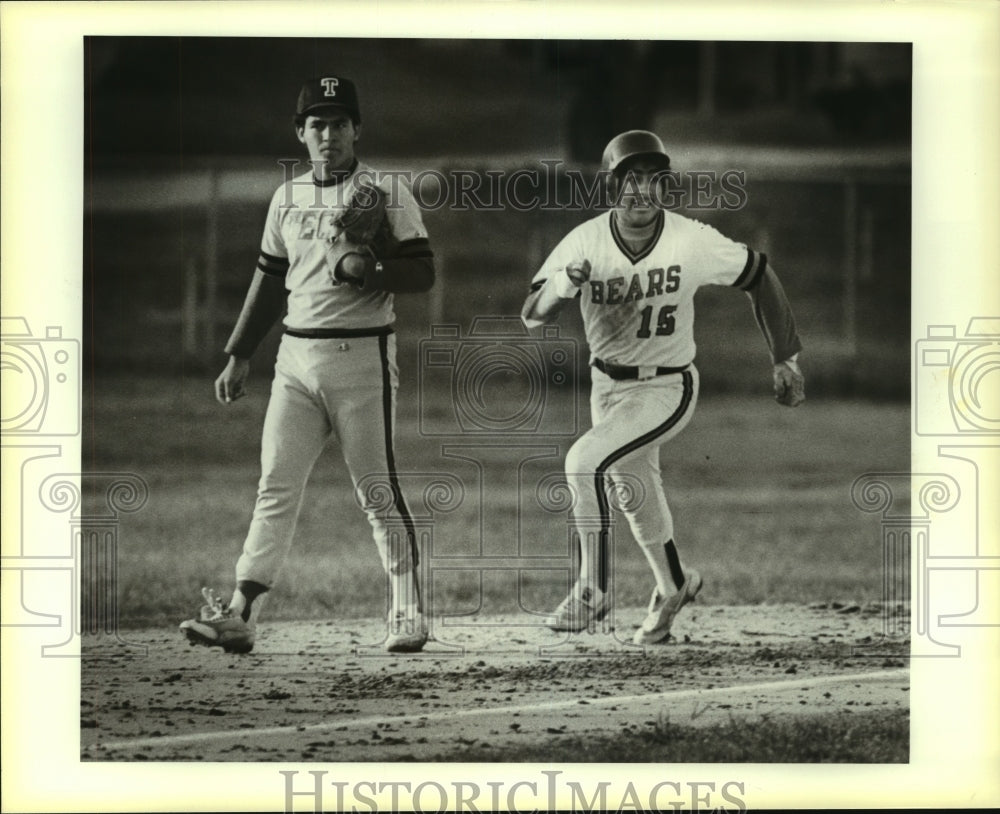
pixel 762 502
pixel 879 737
pixel 760 495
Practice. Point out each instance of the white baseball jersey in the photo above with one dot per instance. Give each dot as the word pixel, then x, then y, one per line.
pixel 299 219
pixel 638 309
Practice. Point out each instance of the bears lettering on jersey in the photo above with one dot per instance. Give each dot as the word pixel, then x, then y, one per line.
pixel 625 318
pixel 620 290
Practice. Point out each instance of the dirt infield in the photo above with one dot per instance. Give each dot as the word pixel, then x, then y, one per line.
pixel 324 690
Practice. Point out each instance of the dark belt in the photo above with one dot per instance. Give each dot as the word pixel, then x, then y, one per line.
pixel 338 333
pixel 622 372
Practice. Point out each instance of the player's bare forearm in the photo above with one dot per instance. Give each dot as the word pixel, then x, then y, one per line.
pixel 774 316
pixel 264 303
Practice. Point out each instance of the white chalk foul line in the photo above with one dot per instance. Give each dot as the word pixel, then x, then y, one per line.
pixel 374 720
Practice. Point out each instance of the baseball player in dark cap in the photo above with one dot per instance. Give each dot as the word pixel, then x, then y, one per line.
pixel 338 243
pixel 634 271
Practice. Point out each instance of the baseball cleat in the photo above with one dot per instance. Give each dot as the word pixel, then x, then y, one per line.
pixel 216 626
pixel 407 634
pixel 655 628
pixel 579 611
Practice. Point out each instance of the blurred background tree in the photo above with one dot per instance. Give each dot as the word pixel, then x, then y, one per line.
pixel 234 96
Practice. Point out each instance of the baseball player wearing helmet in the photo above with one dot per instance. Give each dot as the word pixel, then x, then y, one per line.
pixel 335 249
pixel 634 271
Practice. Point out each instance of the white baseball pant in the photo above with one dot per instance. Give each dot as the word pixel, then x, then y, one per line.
pixel 323 387
pixel 620 455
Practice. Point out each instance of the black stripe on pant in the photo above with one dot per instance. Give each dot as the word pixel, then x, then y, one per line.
pixel 617 455
pixel 390 457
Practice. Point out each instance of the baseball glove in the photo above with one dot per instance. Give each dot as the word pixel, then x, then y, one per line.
pixel 364 217
pixel 789 384
pixel 362 228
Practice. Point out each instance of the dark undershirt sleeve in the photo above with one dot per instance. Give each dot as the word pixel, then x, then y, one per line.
pixel 400 275
pixel 409 269
pixel 774 315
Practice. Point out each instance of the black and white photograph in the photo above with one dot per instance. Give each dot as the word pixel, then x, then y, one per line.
pixel 493 417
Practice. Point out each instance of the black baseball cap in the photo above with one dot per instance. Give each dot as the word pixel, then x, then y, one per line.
pixel 328 91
